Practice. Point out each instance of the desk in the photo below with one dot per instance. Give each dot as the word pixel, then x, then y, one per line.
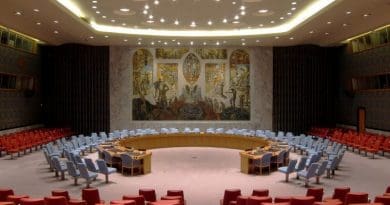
pixel 247 158
pixel 194 140
pixel 116 150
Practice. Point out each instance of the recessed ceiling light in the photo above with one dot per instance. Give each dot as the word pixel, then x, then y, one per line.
pixel 257 41
pixel 329 22
pixel 139 43
pixel 262 11
pixel 125 40
pixel 98 12
pixel 91 37
pixel 36 10
pixel 150 21
pixel 326 33
pixel 193 24
pixel 191 43
pixel 152 43
pixel 146 6
pixel 140 39
pixel 236 17
pixel 289 13
pixel 243 39
pixel 348 12
pixel 242 7
pixel 178 43
pixel 150 16
pixel 281 18
pixel 235 22
pixel 249 27
pixel 293 3
pixel 277 37
pixel 217 43
pixel 243 43
pixel 173 40
pixel 165 43
pixel 18 13
pixel 156 2
pixel 243 13
pixel 344 24
pixel 106 36
pixel 204 43
pixel 224 42
pixel 272 22
pixel 124 9
pixel 94 7
pixel 261 25
pixel 123 24
pixel 113 20
pixel 56 32
pixel 176 22
pixel 210 23
pixel 234 2
pixel 104 17
pixel 95 2
pixel 38 23
pixel 311 32
pixel 293 9
pixel 367 15
pixel 162 20
pixel 224 20
pixel 145 12
pixel 291 38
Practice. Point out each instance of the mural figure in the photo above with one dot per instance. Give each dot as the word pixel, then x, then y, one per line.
pixel 170 53
pixel 191 68
pixel 211 53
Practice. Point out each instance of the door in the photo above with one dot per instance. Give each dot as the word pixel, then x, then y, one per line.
pixel 361 126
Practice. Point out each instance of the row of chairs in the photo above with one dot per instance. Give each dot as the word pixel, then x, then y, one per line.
pixel 91 196
pixel 21 142
pixel 313 196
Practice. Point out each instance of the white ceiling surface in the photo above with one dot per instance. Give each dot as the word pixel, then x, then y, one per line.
pixel 316 30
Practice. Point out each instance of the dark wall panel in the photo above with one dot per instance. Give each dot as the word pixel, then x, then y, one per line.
pixel 76 87
pixel 304 87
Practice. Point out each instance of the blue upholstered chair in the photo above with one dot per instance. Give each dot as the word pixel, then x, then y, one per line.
pixel 301 165
pixel 263 162
pixel 90 165
pixel 129 163
pixel 290 168
pixel 72 171
pixel 210 130
pixel 309 173
pixel 87 175
pixel 77 159
pixel 279 160
pixel 59 167
pixel 103 169
pixel 321 170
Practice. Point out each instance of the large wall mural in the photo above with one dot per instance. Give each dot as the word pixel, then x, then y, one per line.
pixel 191 84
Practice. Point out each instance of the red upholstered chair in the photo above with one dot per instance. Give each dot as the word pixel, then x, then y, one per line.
pixel 388 189
pixel 175 193
pixel 386 194
pixel 124 202
pixel 56 200
pixel 139 199
pixel 180 198
pixel 260 192
pixel 16 198
pixel 329 202
pixel 279 199
pixel 148 194
pixel 76 202
pixel 280 203
pixel 302 200
pixel 30 201
pixel 230 195
pixel 61 192
pixel 4 192
pixel 385 200
pixel 356 197
pixel 316 192
pixel 7 203
pixel 164 202
pixel 256 200
pixel 91 196
pixel 339 193
pixel 242 200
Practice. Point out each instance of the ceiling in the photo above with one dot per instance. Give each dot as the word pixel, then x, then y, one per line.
pixel 237 22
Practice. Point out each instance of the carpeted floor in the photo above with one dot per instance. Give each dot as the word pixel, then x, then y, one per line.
pixel 203 174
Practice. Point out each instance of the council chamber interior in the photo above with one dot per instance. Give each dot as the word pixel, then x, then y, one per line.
pixel 197 102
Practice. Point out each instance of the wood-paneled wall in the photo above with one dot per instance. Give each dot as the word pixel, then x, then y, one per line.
pixel 76 87
pixel 304 87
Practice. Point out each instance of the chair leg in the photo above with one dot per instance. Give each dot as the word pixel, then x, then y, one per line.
pixel 286 177
pixel 75 181
pixel 318 179
pixel 62 175
pixel 106 178
pixel 306 182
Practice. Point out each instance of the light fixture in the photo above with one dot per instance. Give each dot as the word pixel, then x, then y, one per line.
pixel 124 9
pixel 272 22
pixel 156 2
pixel 98 12
pixel 236 17
pixel 95 2
pixel 162 20
pixel 242 13
pixel 106 36
pixel 243 43
pixel 104 17
pixel 234 3
pixel 178 43
pixel 56 32
pixel 261 25
pixel 293 3
pixel 191 43
pixel 257 41
pixel 36 10
pixel 176 22
pixel 204 43
pixel 224 20
pixel 193 24
pixel 165 43
pixel 289 13
pixel 71 6
pixel 113 20
pixel 367 15
pixel 146 6
pixel 125 40
pixel 145 12
pixel 55 21
pixel 326 33
pixel 38 23
pixel 217 43
pixel 348 12
pixel 139 43
pixel 91 37
pixel 152 43
pixel 281 18
pixel 18 13
pixel 210 23
pixel 291 38
pixel 150 21
pixel 277 37
pixel 94 7
pixel 262 11
pixel 242 7
pixel 150 17
pixel 311 32
pixel 123 24
pixel 344 24
pixel 173 40
pixel 329 22
pixel 293 9
pixel 243 39
pixel 303 15
pixel 236 22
